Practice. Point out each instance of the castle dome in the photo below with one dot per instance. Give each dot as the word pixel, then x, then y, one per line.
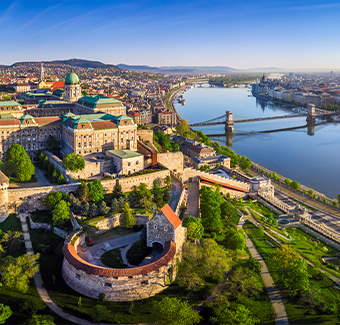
pixel 71 79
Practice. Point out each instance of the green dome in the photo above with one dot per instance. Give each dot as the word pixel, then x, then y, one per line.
pixel 71 79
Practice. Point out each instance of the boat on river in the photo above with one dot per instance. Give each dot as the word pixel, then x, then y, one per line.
pixel 336 118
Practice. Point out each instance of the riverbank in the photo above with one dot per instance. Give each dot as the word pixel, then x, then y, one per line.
pixel 306 150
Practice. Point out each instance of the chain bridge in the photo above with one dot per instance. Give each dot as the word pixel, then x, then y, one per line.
pixel 229 119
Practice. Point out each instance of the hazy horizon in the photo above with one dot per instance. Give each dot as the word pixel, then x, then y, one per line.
pixel 241 35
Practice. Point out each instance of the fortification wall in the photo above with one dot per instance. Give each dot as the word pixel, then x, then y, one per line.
pixel 93 166
pixel 31 199
pixel 118 284
pixel 172 160
pixel 128 182
pixel 116 220
pixel 145 135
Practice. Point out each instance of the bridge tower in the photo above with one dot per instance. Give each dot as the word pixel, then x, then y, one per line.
pixel 229 123
pixel 311 114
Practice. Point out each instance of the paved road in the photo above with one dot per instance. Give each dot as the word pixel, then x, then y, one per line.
pixel 193 199
pixel 175 193
pixel 39 174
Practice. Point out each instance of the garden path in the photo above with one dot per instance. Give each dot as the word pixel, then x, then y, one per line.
pixel 281 317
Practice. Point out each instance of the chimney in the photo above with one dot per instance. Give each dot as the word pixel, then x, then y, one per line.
pixel 154 211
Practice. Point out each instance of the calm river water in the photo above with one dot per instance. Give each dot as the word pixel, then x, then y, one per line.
pixel 312 157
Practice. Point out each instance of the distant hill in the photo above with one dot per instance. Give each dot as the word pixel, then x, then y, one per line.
pixel 177 69
pixel 75 62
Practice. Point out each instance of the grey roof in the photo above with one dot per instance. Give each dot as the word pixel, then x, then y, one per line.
pixel 3 178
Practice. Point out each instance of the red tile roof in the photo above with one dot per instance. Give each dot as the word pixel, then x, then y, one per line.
pixel 171 216
pixel 72 257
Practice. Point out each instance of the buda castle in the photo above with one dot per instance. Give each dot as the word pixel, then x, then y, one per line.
pixel 83 125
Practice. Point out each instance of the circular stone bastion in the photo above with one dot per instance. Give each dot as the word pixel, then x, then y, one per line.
pixel 117 284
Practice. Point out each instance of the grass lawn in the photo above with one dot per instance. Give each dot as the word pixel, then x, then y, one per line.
pixel 297 313
pixel 11 223
pixel 113 258
pixel 41 216
pixel 314 252
pixel 137 253
pixel 14 180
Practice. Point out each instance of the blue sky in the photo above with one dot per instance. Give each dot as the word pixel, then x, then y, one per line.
pixel 240 34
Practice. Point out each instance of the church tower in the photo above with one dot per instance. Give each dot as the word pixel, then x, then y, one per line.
pixel 72 90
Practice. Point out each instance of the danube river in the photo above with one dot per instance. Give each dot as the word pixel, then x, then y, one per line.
pixel 310 156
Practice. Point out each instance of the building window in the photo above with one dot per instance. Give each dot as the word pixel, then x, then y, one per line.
pixel 157 236
pixel 90 143
pixel 129 163
pixel 146 282
pixel 165 228
pixel 137 162
pixel 108 284
pixel 104 134
pixel 155 226
pixel 105 141
pixel 59 136
pixel 83 126
pixel 84 144
pixel 79 144
pixel 78 276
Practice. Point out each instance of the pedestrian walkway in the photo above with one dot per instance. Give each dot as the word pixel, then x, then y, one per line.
pixel 281 317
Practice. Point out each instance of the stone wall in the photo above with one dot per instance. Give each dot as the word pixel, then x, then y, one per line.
pixel 128 182
pixel 56 230
pixel 172 160
pixel 116 220
pixel 160 230
pixel 31 199
pixel 118 284
pixel 93 166
pixel 145 135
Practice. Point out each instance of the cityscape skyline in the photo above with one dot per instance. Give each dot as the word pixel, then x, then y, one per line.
pixel 285 35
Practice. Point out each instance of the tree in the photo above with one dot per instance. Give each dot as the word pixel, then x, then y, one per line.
pixel 41 320
pixel 99 312
pixel 74 162
pixel 117 191
pixel 61 213
pixel 93 211
pixel 61 179
pixel 50 168
pixel 157 195
pixel 84 192
pixel 183 127
pixel 45 163
pixel 210 209
pixel 8 168
pixel 18 271
pixel 311 192
pixel 236 239
pixel 339 198
pixel 129 220
pixel 18 156
pixel 146 203
pixel 5 313
pixel 209 260
pixel 287 181
pixel 194 227
pixel 286 255
pixel 239 315
pixel 166 195
pixel 294 277
pixel 173 311
pixel 96 190
pixel 51 143
pixel 295 185
pixel 168 181
pixel 102 208
pixel 32 306
pixel 24 170
pixel 52 199
pixel 245 163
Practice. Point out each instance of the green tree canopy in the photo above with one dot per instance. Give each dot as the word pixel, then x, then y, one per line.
pixel 173 311
pixel 99 313
pixel 194 227
pixel 5 313
pixel 157 195
pixel 52 143
pixel 17 156
pixel 61 213
pixel 96 190
pixel 286 255
pixel 18 271
pixel 84 192
pixel 52 199
pixel 41 320
pixel 183 127
pixel 74 162
pixel 129 220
